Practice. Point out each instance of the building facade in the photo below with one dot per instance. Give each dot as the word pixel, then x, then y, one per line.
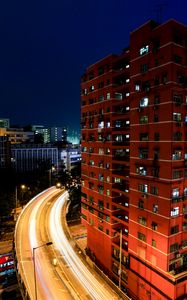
pixel 17 135
pixel 134 151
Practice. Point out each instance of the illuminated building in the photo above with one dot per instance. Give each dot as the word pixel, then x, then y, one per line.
pixel 17 135
pixel 134 152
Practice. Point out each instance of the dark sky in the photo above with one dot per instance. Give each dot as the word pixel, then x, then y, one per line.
pixel 45 46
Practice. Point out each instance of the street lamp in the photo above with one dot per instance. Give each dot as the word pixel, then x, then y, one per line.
pixel 35 248
pixel 52 169
pixel 23 187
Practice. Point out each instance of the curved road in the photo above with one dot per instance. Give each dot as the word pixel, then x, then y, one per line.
pixel 40 222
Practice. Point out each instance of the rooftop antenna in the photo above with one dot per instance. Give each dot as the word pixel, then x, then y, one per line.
pixel 159 8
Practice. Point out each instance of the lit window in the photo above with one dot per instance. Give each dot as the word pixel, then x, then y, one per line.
pixel 137 87
pixel 144 102
pixel 175 211
pixel 176 155
pixel 144 50
pixel 127 94
pixel 108 192
pixel 108 96
pixel 101 124
pixel 155 208
pixel 176 117
pixel 143 188
pixel 153 243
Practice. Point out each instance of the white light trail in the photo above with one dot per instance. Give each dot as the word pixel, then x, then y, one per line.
pixel 90 283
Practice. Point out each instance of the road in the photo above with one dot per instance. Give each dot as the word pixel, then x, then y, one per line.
pixel 28 236
pixel 41 221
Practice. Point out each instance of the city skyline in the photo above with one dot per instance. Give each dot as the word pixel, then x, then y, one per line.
pixel 46 49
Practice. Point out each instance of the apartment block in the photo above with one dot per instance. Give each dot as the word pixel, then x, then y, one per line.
pixel 134 152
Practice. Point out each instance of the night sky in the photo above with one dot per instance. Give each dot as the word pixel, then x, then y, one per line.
pixel 45 46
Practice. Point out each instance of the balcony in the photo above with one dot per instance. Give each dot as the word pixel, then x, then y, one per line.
pixel 121 187
pixel 121 157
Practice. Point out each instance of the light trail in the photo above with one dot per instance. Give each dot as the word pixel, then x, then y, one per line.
pixel 90 283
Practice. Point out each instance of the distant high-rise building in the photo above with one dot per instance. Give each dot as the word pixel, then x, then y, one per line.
pixel 55 134
pixel 134 152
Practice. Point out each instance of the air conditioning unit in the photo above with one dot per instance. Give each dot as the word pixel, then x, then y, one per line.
pixel 178 255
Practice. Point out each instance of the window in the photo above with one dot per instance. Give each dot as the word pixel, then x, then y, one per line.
pixel 177 136
pixel 174 229
pixel 107 231
pixel 144 137
pixel 177 174
pixel 100 227
pixel 144 102
pixel 101 177
pixel 174 247
pixel 101 98
pixel 144 68
pixel 141 236
pixel 154 190
pixel 143 188
pixel 174 211
pixel 108 192
pixel 137 87
pixel 108 96
pixel 177 99
pixel 141 171
pixel 141 204
pixel 184 243
pixel 155 208
pixel 175 193
pixel 101 124
pixel 144 50
pixel 176 155
pixel 91 89
pixel 153 243
pixel 142 220
pixel 146 86
pixel 143 119
pixel 118 96
pixel 177 117
pixel 101 151
pixel 155 171
pixel 143 153
pixel 154 226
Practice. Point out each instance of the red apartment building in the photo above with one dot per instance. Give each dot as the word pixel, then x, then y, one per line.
pixel 134 170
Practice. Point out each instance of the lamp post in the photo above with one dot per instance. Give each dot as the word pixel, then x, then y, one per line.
pixel 35 248
pixel 52 169
pixel 23 187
